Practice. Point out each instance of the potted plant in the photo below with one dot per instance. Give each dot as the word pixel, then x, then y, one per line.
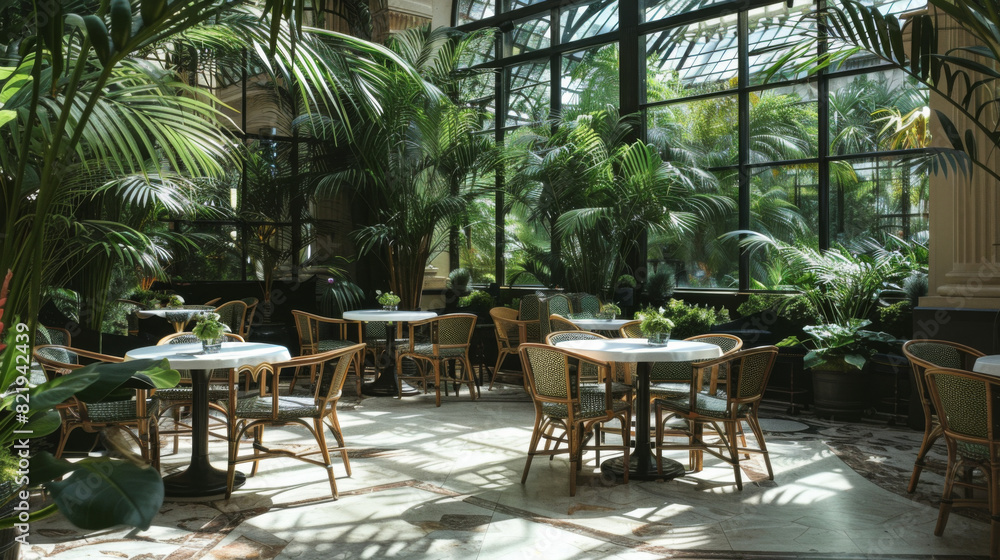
pixel 389 300
pixel 609 311
pixel 625 289
pixel 209 330
pixel 836 355
pixel 655 325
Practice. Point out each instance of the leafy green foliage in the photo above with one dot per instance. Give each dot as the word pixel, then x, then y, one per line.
pixel 841 347
pixel 797 308
pixel 691 320
pixel 478 301
pixel 654 321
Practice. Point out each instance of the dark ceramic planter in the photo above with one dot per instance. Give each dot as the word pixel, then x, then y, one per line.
pixel 840 395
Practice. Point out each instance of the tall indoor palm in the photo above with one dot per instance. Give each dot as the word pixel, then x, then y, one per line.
pixel 415 162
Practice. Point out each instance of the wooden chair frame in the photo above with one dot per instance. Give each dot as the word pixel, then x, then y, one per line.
pixel 253 420
pixel 575 427
pixel 505 321
pixel 961 463
pixel 75 413
pixel 308 327
pixel 738 409
pixel 932 427
pixel 437 360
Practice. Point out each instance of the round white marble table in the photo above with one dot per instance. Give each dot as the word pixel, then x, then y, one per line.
pixel 989 365
pixel 642 465
pixel 385 384
pixel 201 478
pixel 603 325
pixel 177 316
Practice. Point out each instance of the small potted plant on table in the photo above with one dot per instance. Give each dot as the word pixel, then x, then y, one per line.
pixel 655 326
pixel 608 311
pixel 389 300
pixel 209 331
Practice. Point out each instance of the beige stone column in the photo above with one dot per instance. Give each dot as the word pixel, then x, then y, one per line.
pixel 964 224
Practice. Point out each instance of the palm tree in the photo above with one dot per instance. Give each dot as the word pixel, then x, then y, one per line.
pixel 415 162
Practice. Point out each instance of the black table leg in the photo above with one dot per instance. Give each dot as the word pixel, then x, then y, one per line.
pixel 642 463
pixel 200 478
pixel 386 384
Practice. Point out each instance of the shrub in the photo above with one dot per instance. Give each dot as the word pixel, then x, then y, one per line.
pixel 478 301
pixel 897 319
pixel 795 308
pixel 690 320
pixel 626 281
pixel 660 285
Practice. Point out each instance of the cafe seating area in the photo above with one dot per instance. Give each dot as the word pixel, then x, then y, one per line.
pixel 444 482
pixel 403 478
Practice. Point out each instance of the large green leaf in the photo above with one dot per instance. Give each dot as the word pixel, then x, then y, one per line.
pixel 51 393
pixel 138 374
pixel 102 493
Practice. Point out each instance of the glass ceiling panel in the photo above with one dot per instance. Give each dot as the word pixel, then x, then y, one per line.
pixel 529 100
pixel 511 5
pixel 588 20
pixel 530 36
pixel 658 9
pixel 474 10
pixel 692 59
pixel 772 33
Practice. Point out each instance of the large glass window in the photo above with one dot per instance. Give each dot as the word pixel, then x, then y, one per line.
pixel 805 159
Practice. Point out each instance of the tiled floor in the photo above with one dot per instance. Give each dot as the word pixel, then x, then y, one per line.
pixel 445 483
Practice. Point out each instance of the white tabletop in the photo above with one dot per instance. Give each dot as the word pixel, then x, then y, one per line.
pixel 599 324
pixel 637 350
pixel 989 365
pixel 233 355
pixel 182 312
pixel 383 315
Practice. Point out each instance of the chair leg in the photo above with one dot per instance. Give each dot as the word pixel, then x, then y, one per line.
pixel 258 442
pixel 536 436
pixel 320 431
pixel 731 435
pixel 467 371
pixel 496 369
pixel 234 450
pixel 993 487
pixel 931 433
pixel 574 459
pixel 759 434
pixel 437 383
pixel 946 500
pixel 339 435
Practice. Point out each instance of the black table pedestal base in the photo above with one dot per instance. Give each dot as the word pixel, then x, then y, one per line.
pixel 616 468
pixel 376 389
pixel 194 483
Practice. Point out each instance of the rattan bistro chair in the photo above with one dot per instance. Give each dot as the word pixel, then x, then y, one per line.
pixel 631 330
pixel 565 409
pixel 748 374
pixel 320 334
pixel 233 314
pixel 134 415
pixel 923 355
pixel 450 338
pixel 559 323
pixel 966 402
pixel 511 332
pixel 250 414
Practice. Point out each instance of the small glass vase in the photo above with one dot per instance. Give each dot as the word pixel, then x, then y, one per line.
pixel 211 346
pixel 606 316
pixel 658 339
pixel 390 308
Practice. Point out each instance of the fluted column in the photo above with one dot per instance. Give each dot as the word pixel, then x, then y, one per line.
pixel 964 224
